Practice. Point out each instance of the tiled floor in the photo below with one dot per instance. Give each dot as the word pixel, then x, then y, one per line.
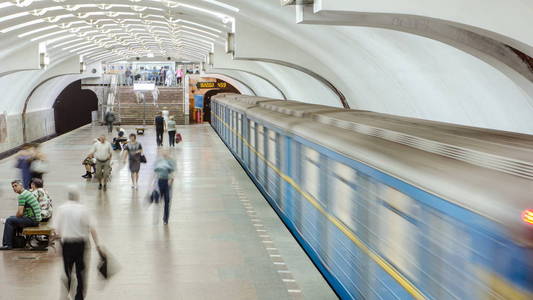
pixel 223 241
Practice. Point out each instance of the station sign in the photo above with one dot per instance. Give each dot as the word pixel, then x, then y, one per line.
pixel 211 85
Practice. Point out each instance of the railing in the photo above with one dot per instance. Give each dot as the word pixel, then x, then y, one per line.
pixel 109 104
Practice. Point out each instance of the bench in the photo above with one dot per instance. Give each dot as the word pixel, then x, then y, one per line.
pixel 140 130
pixel 37 238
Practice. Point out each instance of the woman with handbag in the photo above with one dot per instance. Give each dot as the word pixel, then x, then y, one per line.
pixel 136 157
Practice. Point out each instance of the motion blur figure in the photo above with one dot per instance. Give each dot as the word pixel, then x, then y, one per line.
pixel 164 169
pixel 73 225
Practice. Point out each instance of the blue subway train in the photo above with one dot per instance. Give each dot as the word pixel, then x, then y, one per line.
pixel 390 207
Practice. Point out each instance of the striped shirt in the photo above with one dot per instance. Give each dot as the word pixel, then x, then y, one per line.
pixel 32 209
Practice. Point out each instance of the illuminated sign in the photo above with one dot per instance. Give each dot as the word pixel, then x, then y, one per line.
pixel 211 85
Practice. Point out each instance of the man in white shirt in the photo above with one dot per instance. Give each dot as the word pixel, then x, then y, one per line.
pixel 102 151
pixel 73 224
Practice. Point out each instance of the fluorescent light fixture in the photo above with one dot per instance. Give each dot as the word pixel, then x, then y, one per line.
pixel 200 25
pixel 52 41
pixel 5 4
pixel 81 48
pixel 75 45
pixel 68 42
pixel 224 5
pixel 21 25
pixel 14 16
pixel 47 35
pixel 88 50
pixel 203 31
pixel 36 30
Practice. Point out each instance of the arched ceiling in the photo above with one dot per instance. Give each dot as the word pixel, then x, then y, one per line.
pixel 375 67
pixel 117 29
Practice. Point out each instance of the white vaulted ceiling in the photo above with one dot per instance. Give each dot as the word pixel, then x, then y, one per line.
pixel 448 63
pixel 111 30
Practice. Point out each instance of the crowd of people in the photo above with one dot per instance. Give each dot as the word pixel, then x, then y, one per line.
pixel 71 222
pixel 163 76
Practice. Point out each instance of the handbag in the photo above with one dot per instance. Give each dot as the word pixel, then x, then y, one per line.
pixel 39 166
pixel 154 196
pixel 143 159
pixel 178 138
pixel 107 265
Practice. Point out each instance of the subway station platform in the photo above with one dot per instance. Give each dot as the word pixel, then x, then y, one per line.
pixel 223 240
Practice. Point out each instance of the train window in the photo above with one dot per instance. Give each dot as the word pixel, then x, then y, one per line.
pixel 449 250
pixel 311 172
pixel 252 134
pixel 272 146
pixel 397 231
pixel 260 139
pixel 342 193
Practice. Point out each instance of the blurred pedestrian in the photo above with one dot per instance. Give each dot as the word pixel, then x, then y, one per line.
pixel 171 127
pixel 159 128
pixel 24 158
pixel 102 151
pixel 164 168
pixel 39 165
pixel 28 214
pixel 73 224
pixel 109 118
pixel 135 153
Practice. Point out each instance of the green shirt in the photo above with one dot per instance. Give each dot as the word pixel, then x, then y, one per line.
pixel 32 209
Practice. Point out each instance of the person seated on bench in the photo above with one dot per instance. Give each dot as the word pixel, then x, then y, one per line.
pixel 119 140
pixel 44 199
pixel 28 214
pixel 90 166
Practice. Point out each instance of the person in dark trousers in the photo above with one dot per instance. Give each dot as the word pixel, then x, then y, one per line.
pixel 28 214
pixel 159 128
pixel 73 225
pixel 110 119
pixel 171 128
pixel 164 169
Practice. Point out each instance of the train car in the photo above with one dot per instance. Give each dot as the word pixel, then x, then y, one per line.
pixel 390 207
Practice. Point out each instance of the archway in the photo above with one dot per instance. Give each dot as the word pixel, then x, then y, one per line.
pixel 211 93
pixel 73 107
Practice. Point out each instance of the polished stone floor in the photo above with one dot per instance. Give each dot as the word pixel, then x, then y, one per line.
pixel 223 240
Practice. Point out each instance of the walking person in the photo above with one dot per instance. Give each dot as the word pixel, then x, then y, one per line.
pixel 135 152
pixel 73 224
pixel 171 127
pixel 24 158
pixel 102 151
pixel 164 169
pixel 109 118
pixel 28 214
pixel 39 165
pixel 159 128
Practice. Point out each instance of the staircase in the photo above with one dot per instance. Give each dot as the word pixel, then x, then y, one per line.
pixel 131 112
